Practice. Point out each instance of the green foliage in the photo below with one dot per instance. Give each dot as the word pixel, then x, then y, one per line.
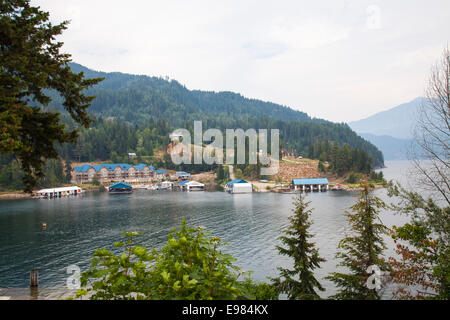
pixel 68 171
pixel 238 173
pixel 351 178
pixel 342 159
pixel 53 174
pixel 423 246
pixel 220 173
pixel 11 175
pixel 112 140
pixel 31 65
pixel 95 180
pixel 321 167
pixel 260 290
pixel 362 249
pixel 377 177
pixel 222 176
pixel 300 282
pixel 189 266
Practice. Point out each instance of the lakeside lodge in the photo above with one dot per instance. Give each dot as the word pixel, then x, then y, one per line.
pixel 117 171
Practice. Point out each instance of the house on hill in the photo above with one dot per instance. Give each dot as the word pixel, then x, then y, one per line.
pixel 181 175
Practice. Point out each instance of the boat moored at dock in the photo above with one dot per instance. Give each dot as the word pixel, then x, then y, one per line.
pixel 120 187
pixel 59 192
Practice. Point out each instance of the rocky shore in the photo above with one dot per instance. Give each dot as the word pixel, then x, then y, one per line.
pixel 15 195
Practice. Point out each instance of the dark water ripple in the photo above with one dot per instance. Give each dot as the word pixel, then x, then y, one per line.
pixel 250 223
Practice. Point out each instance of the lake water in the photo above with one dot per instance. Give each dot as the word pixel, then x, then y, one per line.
pixel 250 223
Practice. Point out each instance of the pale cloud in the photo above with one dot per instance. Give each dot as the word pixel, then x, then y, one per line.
pixel 338 60
pixel 307 34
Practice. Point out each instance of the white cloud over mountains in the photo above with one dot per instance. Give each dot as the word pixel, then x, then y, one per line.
pixel 338 60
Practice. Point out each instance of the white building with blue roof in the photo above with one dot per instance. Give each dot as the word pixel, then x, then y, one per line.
pixel 310 184
pixel 181 175
pixel 113 172
pixel 239 186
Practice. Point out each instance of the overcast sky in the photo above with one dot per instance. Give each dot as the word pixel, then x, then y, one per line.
pixel 337 60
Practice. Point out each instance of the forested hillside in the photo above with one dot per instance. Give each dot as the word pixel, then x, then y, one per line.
pixel 137 113
pixel 142 101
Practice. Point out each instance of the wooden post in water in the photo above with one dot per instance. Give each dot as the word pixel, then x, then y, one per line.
pixel 34 278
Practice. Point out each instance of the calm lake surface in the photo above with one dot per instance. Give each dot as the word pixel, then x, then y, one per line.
pixel 250 223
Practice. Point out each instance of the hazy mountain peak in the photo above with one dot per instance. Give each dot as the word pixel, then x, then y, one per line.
pixel 397 122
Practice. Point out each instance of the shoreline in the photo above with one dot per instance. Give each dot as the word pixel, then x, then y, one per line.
pixel 37 293
pixel 15 195
pixel 11 195
pixel 21 195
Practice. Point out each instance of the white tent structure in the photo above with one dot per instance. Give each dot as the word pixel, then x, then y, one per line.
pixel 239 186
pixel 192 186
pixel 59 192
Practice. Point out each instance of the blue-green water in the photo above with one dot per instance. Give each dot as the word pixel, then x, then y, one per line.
pixel 250 223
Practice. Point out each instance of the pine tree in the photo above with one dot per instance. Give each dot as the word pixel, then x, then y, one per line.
pixel 68 171
pixel 299 283
pixel 31 66
pixel 220 173
pixel 361 250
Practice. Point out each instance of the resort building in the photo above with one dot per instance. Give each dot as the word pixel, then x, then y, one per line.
pixel 312 184
pixel 239 186
pixel 113 172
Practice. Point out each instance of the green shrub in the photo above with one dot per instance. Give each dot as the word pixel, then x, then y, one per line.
pixel 351 178
pixel 189 266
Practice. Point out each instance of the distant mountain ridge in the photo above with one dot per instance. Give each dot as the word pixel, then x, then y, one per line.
pixel 391 130
pixel 152 91
pixel 392 148
pixel 397 122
